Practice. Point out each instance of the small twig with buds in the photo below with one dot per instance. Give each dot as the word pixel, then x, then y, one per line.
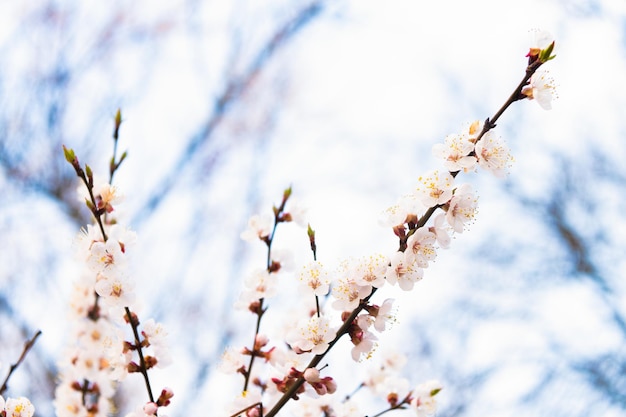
pixel 114 165
pixel 133 321
pixel 279 217
pixel 99 208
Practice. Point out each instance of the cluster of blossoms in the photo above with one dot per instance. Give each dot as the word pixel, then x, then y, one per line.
pixel 104 288
pixel 462 152
pixel 103 299
pixel 312 332
pixel 348 290
pixel 16 407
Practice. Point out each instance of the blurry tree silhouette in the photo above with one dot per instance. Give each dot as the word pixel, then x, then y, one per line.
pixel 583 218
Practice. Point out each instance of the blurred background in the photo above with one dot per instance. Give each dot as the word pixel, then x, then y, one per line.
pixel 227 103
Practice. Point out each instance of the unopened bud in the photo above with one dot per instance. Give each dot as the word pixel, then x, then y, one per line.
pixel 392 399
pixel 312 375
pixel 164 398
pixel 118 122
pixel 150 408
pixel 133 367
pixel 286 194
pixel 150 361
pixel 70 156
pixel 546 54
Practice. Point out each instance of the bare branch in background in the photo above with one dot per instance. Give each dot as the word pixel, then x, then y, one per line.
pixel 58 57
pixel 27 346
pixel 573 213
pixel 233 90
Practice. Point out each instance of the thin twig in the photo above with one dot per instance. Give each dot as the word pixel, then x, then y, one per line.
pixel 142 362
pixel 250 407
pixel 399 406
pixel 27 346
pixel 277 219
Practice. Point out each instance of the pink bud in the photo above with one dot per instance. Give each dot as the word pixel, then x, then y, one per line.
pixel 164 398
pixel 150 408
pixel 312 375
pixel 330 384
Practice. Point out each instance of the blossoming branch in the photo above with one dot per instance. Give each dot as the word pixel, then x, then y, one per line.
pixel 99 353
pixel 349 289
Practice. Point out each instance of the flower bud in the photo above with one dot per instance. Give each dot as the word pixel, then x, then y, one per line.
pixel 164 398
pixel 312 375
pixel 150 408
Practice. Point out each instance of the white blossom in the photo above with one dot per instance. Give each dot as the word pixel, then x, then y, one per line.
pixel 370 270
pixel 462 208
pixel 455 151
pixel 420 249
pixel 364 346
pixel 314 279
pixel 404 273
pixel 424 402
pixel 259 227
pixel 297 212
pixel 348 294
pixel 116 291
pixel 385 315
pixel 19 407
pixel 232 361
pixel 539 40
pixel 311 334
pixel 493 154
pixel 440 230
pixel 435 188
pixel 258 284
pixel 541 88
pixel 396 215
